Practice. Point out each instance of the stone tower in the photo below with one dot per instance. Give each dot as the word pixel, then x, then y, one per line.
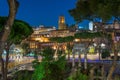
pixel 61 23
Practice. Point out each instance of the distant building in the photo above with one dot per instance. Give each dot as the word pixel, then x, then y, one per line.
pixel 91 25
pixel 61 22
pixel 62 33
pixel 43 28
pixel 98 26
pixel 15 53
pixel 111 28
pixel 41 35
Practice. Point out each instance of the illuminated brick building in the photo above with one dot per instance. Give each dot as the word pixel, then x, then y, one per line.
pixel 61 23
pixel 41 35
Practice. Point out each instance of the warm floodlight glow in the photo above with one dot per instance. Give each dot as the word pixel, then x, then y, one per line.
pixel 77 40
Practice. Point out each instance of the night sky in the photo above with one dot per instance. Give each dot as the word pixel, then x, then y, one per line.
pixel 42 12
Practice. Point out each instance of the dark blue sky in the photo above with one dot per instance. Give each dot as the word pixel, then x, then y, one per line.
pixel 41 12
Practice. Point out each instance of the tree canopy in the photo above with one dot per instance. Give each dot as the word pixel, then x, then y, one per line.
pixel 20 30
pixel 83 35
pixel 96 10
pixel 90 35
pixel 57 39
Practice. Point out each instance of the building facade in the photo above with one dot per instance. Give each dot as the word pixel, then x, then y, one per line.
pixel 40 37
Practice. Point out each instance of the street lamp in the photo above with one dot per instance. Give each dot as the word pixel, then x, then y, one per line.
pixel 102 45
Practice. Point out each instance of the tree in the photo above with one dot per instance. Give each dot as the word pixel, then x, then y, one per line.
pixel 25 46
pixel 86 35
pixel 19 31
pixel 69 40
pixel 16 37
pixel 13 6
pixel 94 9
pixel 105 53
pixel 57 41
pixel 49 69
pixel 73 27
pixel 23 75
pixel 97 10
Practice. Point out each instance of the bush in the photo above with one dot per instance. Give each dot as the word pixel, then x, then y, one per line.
pixel 105 53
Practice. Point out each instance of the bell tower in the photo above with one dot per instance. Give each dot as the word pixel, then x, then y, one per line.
pixel 61 23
